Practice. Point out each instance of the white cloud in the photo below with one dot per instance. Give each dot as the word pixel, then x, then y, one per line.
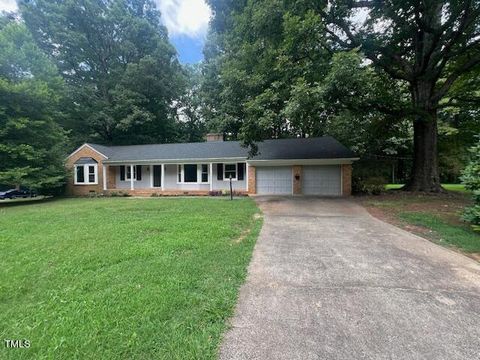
pixel 185 17
pixel 181 17
pixel 8 5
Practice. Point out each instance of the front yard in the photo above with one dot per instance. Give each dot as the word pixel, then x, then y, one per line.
pixel 435 217
pixel 122 278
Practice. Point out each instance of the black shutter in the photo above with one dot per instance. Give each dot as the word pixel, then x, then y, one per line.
pixel 139 172
pixel 122 173
pixel 219 171
pixel 241 171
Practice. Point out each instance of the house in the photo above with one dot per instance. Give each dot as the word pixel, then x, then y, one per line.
pixel 310 166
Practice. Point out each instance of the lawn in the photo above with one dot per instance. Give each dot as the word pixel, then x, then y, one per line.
pixel 435 217
pixel 448 187
pixel 122 278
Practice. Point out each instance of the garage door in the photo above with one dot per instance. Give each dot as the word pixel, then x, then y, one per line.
pixel 274 180
pixel 322 180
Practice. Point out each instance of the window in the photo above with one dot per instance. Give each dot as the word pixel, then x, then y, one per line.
pixel 204 173
pixel 230 170
pixel 126 173
pixel 193 173
pixel 86 174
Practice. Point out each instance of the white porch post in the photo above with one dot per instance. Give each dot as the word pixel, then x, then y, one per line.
pixel 211 176
pixel 163 177
pixel 151 176
pixel 131 178
pixel 104 176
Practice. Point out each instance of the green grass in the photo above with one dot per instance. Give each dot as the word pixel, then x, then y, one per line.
pixel 463 238
pixel 122 278
pixel 449 187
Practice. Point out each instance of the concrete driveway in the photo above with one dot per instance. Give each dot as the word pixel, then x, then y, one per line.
pixel 328 281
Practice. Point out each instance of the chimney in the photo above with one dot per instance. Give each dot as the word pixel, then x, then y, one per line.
pixel 214 137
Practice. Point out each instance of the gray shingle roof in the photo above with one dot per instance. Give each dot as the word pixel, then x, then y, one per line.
pixel 325 147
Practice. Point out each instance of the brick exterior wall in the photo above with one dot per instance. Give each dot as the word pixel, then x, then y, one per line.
pixel 347 179
pixel 252 180
pixel 111 176
pixel 297 179
pixel 83 190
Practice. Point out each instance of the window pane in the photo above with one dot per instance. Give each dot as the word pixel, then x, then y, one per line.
pixel 230 171
pixel 179 173
pixel 204 173
pixel 128 172
pixel 190 172
pixel 80 174
pixel 91 174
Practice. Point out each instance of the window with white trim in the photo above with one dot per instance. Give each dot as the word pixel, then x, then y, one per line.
pixel 230 170
pixel 86 174
pixel 193 174
pixel 128 173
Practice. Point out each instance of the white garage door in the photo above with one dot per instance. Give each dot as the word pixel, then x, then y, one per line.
pixel 322 180
pixel 274 180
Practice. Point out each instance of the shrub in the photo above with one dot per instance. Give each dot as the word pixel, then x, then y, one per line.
pixel 370 186
pixel 471 180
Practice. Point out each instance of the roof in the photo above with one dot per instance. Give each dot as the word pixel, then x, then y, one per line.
pixel 325 147
pixel 86 160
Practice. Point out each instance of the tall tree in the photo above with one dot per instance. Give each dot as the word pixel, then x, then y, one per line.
pixel 122 73
pixel 428 45
pixel 32 144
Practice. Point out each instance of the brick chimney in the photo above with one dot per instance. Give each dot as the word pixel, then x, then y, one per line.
pixel 214 137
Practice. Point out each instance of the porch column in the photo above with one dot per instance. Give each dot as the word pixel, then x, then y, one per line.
pixel 104 176
pixel 211 176
pixel 163 177
pixel 151 176
pixel 131 178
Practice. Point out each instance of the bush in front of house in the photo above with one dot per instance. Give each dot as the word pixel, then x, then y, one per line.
pixel 370 186
pixel 471 180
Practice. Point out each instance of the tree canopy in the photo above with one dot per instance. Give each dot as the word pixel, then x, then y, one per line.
pixel 122 74
pixel 32 144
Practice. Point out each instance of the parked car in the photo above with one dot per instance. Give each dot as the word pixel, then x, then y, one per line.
pixel 14 194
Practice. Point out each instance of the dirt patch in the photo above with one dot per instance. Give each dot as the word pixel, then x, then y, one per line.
pixel 448 207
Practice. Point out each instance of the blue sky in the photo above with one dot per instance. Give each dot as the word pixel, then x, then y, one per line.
pixel 186 20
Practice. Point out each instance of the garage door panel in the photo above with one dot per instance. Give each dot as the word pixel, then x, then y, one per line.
pixel 274 180
pixel 322 180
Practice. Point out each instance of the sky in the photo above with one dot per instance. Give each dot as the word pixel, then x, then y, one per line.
pixel 186 21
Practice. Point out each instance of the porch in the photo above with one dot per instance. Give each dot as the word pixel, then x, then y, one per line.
pixel 174 178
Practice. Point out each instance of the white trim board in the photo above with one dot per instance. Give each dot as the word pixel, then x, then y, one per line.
pixel 288 162
pixel 90 147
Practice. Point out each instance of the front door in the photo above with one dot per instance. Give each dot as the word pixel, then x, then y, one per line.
pixel 157 175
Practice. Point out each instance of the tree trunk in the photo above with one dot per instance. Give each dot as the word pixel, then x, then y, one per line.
pixel 425 173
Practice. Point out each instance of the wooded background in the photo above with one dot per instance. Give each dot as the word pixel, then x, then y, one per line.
pixel 397 81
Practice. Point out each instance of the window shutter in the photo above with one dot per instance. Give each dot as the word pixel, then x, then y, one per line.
pixel 241 171
pixel 122 173
pixel 139 172
pixel 219 171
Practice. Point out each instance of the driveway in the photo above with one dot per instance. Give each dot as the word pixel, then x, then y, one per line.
pixel 328 281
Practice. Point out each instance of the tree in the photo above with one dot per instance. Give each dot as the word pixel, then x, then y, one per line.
pixel 428 45
pixel 32 144
pixel 471 179
pixel 121 71
pixel 191 126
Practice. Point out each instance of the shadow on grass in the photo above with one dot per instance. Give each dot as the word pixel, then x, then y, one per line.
pixel 29 201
